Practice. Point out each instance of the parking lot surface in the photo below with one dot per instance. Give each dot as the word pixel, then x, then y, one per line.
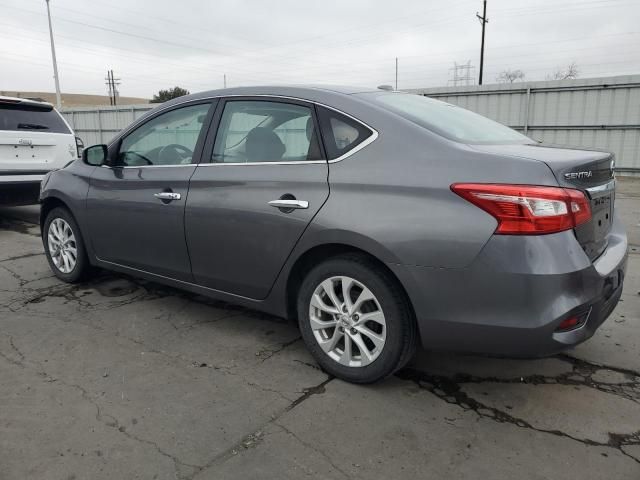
pixel 120 378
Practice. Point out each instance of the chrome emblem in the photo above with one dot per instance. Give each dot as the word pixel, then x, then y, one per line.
pixel 578 175
pixel 25 141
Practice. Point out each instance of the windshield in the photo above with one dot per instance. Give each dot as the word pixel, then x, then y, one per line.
pixel 450 121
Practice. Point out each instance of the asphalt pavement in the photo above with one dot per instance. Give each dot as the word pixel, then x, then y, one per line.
pixel 120 378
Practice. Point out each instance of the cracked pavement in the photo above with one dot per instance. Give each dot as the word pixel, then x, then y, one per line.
pixel 123 378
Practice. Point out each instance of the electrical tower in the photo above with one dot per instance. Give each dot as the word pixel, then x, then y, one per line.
pixel 463 74
pixel 112 85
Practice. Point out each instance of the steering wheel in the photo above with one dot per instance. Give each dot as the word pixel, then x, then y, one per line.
pixel 168 153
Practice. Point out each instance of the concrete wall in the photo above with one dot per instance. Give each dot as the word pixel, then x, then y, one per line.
pixel 602 113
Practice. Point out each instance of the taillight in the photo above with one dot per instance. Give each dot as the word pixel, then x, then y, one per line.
pixel 528 209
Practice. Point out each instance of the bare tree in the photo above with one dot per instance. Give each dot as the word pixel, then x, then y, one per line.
pixel 568 73
pixel 510 76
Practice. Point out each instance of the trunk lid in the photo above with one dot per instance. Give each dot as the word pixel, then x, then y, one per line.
pixel 588 170
pixel 34 138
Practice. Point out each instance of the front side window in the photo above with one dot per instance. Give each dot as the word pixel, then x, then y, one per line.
pixel 265 131
pixel 168 139
pixel 450 121
pixel 341 133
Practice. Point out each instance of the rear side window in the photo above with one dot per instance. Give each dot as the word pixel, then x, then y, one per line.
pixel 340 133
pixel 258 131
pixel 26 118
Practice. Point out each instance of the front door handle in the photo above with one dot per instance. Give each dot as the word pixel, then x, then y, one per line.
pixel 167 196
pixel 289 204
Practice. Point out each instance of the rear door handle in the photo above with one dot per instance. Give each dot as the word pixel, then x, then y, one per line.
pixel 167 196
pixel 289 204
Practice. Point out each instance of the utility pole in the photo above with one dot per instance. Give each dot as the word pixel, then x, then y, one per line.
pixel 108 84
pixel 115 89
pixel 225 80
pixel 55 63
pixel 483 20
pixel 396 73
pixel 112 83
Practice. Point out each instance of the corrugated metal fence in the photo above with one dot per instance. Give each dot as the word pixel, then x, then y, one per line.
pixel 602 113
pixel 100 124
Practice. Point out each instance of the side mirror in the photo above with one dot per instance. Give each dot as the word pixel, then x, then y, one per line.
pixel 96 155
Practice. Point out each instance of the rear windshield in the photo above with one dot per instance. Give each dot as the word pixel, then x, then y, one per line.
pixel 31 118
pixel 450 121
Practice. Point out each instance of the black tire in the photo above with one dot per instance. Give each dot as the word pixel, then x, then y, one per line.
pixel 82 267
pixel 401 332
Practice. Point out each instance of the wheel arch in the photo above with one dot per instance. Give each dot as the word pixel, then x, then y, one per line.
pixel 49 203
pixel 318 253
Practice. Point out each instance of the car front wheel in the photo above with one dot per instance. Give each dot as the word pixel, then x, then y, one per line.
pixel 355 319
pixel 64 247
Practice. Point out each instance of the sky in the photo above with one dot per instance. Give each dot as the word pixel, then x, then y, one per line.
pixel 158 44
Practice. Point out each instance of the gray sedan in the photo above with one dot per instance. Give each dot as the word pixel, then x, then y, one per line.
pixel 380 220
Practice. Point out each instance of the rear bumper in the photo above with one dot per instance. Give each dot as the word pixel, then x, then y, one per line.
pixel 19 192
pixel 513 297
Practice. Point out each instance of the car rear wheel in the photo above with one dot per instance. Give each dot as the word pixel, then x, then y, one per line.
pixel 355 319
pixel 64 246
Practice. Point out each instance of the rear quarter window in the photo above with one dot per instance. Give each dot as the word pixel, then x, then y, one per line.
pixel 26 118
pixel 340 133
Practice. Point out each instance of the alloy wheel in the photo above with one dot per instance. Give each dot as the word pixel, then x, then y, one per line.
pixel 347 321
pixel 62 245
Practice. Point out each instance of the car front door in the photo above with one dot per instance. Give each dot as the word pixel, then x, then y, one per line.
pixel 262 180
pixel 136 205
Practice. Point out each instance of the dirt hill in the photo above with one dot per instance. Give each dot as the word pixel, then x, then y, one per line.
pixel 75 99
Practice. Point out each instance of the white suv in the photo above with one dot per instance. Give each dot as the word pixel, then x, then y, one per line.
pixel 34 139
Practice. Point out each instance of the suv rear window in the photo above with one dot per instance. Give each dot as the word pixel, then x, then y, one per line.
pixel 31 118
pixel 340 133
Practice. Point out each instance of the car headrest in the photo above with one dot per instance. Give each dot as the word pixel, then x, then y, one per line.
pixel 309 128
pixel 264 145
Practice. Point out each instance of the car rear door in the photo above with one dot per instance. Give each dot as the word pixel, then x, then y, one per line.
pixel 262 179
pixel 136 205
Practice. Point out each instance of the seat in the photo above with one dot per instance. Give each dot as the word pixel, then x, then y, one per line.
pixel 264 145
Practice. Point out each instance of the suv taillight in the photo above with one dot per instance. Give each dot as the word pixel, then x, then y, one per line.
pixel 528 209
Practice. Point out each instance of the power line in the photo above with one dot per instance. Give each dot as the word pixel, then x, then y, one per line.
pixel 316 64
pixel 336 66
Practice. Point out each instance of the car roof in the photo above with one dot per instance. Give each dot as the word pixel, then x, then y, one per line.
pixel 267 89
pixel 304 92
pixel 25 101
